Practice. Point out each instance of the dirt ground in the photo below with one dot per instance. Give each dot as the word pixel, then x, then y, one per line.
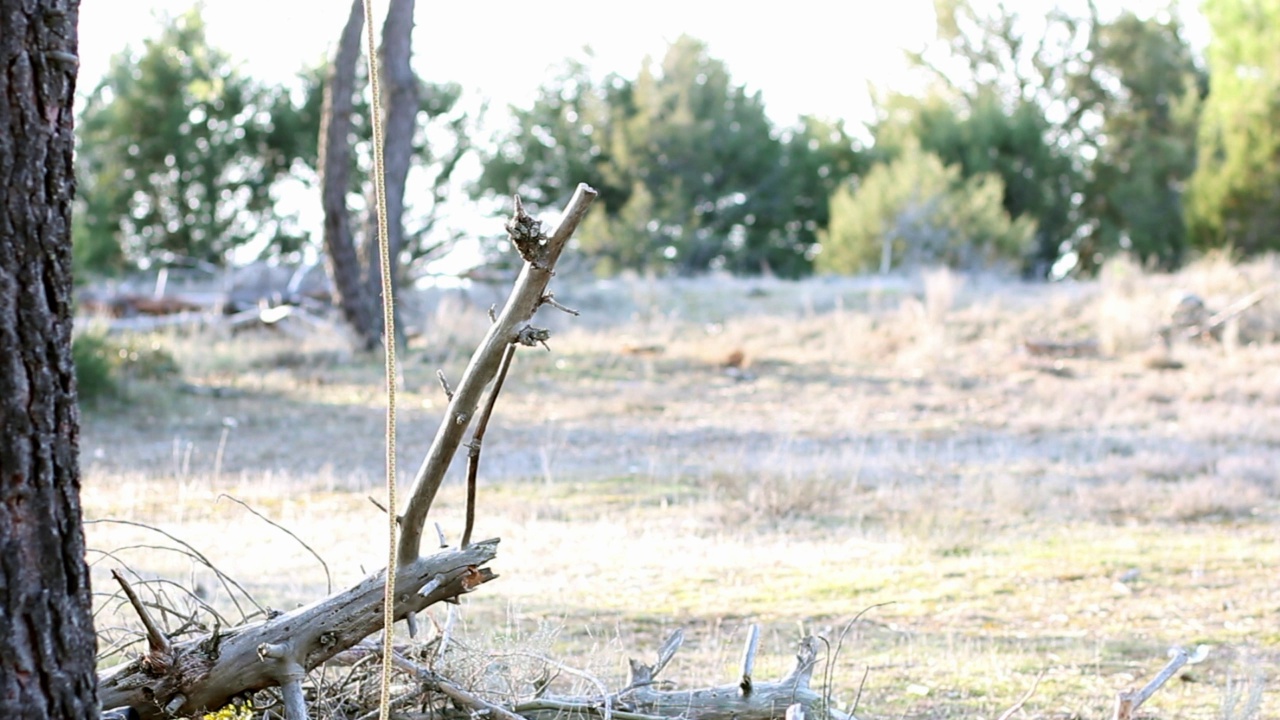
pixel 709 454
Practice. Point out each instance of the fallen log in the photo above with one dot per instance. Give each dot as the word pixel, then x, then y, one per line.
pixel 641 699
pixel 204 674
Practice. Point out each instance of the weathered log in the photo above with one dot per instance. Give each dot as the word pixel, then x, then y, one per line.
pixel 642 700
pixel 204 674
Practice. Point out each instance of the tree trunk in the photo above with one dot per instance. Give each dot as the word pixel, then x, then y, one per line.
pixel 47 644
pixel 400 103
pixel 341 260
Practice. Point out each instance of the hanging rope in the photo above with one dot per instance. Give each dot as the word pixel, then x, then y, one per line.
pixel 389 342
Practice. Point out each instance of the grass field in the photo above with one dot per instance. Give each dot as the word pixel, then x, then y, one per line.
pixel 709 454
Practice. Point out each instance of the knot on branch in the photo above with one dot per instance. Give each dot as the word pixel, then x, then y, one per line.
pixel 526 234
pixel 533 336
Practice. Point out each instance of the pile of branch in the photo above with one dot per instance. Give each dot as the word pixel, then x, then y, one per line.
pixel 422 685
pixel 205 673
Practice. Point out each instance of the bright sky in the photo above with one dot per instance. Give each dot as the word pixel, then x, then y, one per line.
pixel 807 56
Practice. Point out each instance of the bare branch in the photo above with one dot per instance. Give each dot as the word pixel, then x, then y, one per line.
pixel 328 579
pixel 642 674
pixel 208 671
pixel 454 692
pixel 295 704
pixel 525 298
pixel 749 658
pixel 155 635
pixel 477 438
pixel 1022 700
pixel 1129 701
pixel 550 299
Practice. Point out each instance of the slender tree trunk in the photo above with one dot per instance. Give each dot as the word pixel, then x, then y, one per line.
pixel 400 102
pixel 47 644
pixel 341 259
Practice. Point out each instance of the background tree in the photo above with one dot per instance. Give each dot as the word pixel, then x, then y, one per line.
pixel 915 211
pixel 1090 122
pixel 47 644
pixel 1145 86
pixel 179 152
pixel 426 136
pixel 980 135
pixel 1234 191
pixel 342 262
pixel 692 173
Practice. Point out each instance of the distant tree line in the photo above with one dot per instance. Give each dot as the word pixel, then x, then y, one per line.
pixel 1045 147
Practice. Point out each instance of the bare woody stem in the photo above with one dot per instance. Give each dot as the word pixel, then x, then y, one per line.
pixel 477 439
pixel 526 297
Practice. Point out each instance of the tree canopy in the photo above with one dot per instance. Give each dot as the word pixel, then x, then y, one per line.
pixel 178 153
pixel 1234 190
pixel 181 156
pixel 1107 134
pixel 693 174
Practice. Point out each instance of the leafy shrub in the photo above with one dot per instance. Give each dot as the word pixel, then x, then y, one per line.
pixel 95 374
pixel 917 211
pixel 104 364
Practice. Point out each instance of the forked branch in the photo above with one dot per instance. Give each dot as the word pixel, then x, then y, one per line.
pixel 540 253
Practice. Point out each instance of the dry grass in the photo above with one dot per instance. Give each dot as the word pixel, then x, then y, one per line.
pixel 874 441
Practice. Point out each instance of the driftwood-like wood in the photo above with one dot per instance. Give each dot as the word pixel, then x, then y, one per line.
pixel 1128 702
pixel 540 252
pixel 642 700
pixel 206 673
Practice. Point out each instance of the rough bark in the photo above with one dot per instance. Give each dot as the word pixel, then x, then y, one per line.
pixel 400 102
pixel 341 259
pixel 47 643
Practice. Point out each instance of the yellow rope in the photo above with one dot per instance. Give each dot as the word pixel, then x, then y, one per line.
pixel 389 342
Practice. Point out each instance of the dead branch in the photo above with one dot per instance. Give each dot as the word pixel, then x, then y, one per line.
pixel 641 700
pixel 1022 700
pixel 477 438
pixel 1213 325
pixel 328 578
pixel 455 693
pixel 1128 702
pixel 156 640
pixel 541 253
pixel 749 659
pixel 207 672
pixel 184 547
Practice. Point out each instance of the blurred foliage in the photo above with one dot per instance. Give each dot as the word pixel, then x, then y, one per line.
pixel 1233 194
pixel 692 173
pixel 95 379
pixel 1147 87
pixel 178 151
pixel 1091 123
pixel 980 138
pixel 917 211
pixel 105 364
pixel 1101 135
pixel 181 155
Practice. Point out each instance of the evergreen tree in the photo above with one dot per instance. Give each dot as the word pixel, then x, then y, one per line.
pixel 177 155
pixel 1234 191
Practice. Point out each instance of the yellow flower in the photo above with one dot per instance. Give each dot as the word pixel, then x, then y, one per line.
pixel 231 712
